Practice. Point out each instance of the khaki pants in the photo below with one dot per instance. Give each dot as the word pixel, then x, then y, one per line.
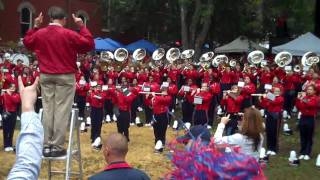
pixel 57 98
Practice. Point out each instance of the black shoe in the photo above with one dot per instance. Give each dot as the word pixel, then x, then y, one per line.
pixel 98 148
pixel 46 151
pixel 55 152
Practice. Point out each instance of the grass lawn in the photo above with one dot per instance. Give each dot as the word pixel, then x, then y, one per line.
pixel 141 155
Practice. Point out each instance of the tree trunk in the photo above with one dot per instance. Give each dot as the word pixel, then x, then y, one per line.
pixel 317 19
pixel 184 27
pixel 204 31
pixel 194 23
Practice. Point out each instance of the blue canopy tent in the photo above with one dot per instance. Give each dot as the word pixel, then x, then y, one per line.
pixel 150 47
pixel 114 43
pixel 102 45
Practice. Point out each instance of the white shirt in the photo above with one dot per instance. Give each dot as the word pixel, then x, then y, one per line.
pixel 246 145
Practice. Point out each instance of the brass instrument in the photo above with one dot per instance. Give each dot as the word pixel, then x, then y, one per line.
pixel 106 58
pixel 120 55
pixel 187 54
pixel 219 60
pixel 139 54
pixel 24 58
pixel 263 63
pixel 255 57
pixel 297 68
pixel 283 59
pixel 172 55
pixel 232 63
pixel 206 56
pixel 158 54
pixel 309 58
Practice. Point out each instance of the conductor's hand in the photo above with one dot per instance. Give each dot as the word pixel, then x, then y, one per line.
pixel 38 21
pixel 78 21
pixel 28 95
pixel 225 120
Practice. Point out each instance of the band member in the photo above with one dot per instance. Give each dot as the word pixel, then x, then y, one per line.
pixel 226 78
pixel 273 107
pixel 246 91
pixel 153 87
pixel 124 101
pixel 173 73
pixel 112 74
pixel 108 100
pixel 289 94
pixel 307 104
pixel 233 101
pixel 96 99
pixel 266 77
pixel 160 105
pixel 187 100
pixel 142 76
pixel 215 89
pixel 202 99
pixel 156 74
pixel 11 100
pixel 82 88
pixel 190 73
pixel 135 89
pixel 18 68
pixel 172 91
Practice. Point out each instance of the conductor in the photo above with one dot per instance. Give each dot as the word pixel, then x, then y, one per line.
pixel 56 49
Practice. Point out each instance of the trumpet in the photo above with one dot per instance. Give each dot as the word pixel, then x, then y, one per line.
pixel 7 90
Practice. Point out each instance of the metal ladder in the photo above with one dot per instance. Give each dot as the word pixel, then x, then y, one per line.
pixel 73 150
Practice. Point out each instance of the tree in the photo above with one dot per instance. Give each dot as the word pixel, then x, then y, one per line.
pixel 194 34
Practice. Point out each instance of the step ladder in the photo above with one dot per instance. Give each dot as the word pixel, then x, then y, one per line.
pixel 73 150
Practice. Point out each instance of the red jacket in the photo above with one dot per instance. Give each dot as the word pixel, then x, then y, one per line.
pixel 190 74
pixel 247 90
pixel 57 47
pixel 226 78
pixel 206 99
pixel 288 82
pixel 156 76
pixel 9 79
pixel 27 80
pixel 232 105
pixel 266 78
pixel 112 75
pixel 18 69
pixel 96 99
pixel 82 90
pixel 187 95
pixel 215 88
pixel 308 105
pixel 160 104
pixel 273 106
pixel 173 74
pixel 205 76
pixel 142 77
pixel 11 102
pixel 124 102
pixel 172 89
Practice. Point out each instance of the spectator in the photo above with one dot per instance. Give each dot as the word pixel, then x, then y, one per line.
pixel 249 138
pixel 30 141
pixel 115 149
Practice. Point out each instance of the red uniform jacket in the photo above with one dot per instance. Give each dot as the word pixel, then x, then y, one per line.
pixel 96 99
pixel 173 74
pixel 112 75
pixel 232 105
pixel 124 102
pixel 247 90
pixel 9 79
pixel 273 106
pixel 187 95
pixel 206 99
pixel 57 47
pixel 10 102
pixel 156 76
pixel 142 77
pixel 215 88
pixel 266 78
pixel 226 78
pixel 288 82
pixel 82 90
pixel 308 106
pixel 27 80
pixel 190 74
pixel 205 76
pixel 160 104
pixel 172 90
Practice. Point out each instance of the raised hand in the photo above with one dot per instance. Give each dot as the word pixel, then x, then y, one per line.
pixel 38 21
pixel 28 95
pixel 78 21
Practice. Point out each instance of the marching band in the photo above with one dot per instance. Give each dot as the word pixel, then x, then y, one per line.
pixel 118 85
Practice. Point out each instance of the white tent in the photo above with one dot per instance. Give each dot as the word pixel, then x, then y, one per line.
pixel 299 46
pixel 240 45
